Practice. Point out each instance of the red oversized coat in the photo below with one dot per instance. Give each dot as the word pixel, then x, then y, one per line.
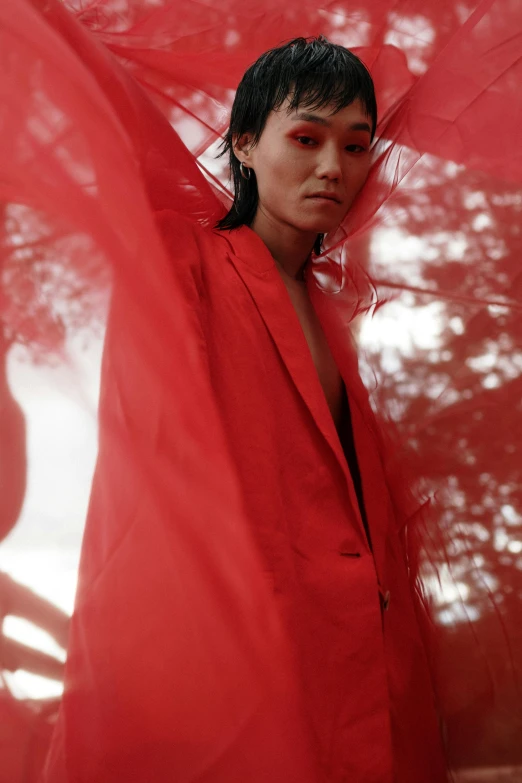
pixel 348 610
pixel 174 672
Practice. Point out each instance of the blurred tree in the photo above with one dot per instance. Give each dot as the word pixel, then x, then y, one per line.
pixel 52 286
pixel 459 404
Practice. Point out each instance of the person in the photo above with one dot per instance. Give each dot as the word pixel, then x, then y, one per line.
pixel 298 428
pixel 298 424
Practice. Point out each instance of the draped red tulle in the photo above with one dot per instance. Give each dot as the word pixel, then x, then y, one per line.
pixel 111 111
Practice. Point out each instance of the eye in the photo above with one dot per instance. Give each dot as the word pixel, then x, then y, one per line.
pixel 357 148
pixel 306 141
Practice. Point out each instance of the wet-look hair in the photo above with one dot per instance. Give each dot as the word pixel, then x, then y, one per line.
pixel 311 73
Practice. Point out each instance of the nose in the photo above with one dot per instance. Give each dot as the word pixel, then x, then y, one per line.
pixel 329 163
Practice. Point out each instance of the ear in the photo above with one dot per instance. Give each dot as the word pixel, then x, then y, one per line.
pixel 242 146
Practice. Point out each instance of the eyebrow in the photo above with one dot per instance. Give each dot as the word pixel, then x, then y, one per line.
pixel 307 117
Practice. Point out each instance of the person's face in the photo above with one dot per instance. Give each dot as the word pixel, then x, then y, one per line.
pixel 305 153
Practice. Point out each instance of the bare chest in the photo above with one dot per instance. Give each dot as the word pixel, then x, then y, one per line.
pixel 327 371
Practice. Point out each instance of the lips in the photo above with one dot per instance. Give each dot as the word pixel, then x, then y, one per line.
pixel 327 196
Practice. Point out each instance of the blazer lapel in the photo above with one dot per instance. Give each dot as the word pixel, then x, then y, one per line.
pixel 259 273
pixel 367 439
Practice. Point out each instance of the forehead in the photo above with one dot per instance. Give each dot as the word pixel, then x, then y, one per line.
pixel 354 116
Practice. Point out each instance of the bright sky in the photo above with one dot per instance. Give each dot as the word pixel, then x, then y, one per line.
pixel 42 552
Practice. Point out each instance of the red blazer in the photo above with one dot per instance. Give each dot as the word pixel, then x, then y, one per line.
pixel 181 666
pixel 349 610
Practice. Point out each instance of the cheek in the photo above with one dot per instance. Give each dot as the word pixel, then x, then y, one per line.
pixel 276 174
pixel 284 164
pixel 270 186
pixel 280 158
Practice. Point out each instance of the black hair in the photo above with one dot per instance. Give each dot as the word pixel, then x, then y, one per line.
pixel 312 73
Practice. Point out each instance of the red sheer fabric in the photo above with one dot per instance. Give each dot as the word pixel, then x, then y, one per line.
pixel 85 162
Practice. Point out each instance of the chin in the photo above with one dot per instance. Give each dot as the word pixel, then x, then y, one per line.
pixel 321 226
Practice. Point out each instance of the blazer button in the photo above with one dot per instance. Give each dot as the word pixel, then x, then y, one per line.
pixel 346 549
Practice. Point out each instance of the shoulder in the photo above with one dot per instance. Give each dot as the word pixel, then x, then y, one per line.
pixel 180 234
pixel 189 246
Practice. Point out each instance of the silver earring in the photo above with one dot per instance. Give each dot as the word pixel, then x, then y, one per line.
pixel 243 169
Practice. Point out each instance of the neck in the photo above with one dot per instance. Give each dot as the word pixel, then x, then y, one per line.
pixel 289 247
